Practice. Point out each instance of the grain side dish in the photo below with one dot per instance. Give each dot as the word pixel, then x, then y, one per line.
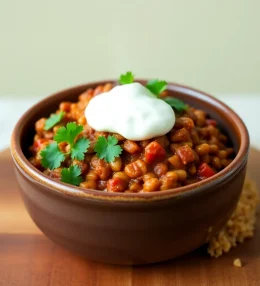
pixel 240 226
pixel 66 147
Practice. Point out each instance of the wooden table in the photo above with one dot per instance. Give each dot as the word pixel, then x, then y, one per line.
pixel 27 257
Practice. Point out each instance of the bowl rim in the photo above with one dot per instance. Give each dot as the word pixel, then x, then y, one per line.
pixel 75 192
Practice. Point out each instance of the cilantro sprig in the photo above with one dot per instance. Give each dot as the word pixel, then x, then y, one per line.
pixel 79 148
pixel 176 103
pixel 156 87
pixel 68 134
pixel 52 157
pixel 71 175
pixel 126 78
pixel 107 149
pixel 53 120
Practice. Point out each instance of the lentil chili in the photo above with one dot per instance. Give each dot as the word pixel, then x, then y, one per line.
pixel 193 150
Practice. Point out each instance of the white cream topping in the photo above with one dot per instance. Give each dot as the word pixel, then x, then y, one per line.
pixel 132 111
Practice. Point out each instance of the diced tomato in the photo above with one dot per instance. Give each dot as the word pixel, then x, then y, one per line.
pixel 38 143
pixel 116 185
pixel 211 122
pixel 186 154
pixel 154 151
pixel 205 171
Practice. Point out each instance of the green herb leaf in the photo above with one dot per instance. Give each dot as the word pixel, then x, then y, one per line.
pixel 69 133
pixel 176 103
pixel 156 86
pixel 52 156
pixel 79 148
pixel 107 149
pixel 71 175
pixel 126 78
pixel 53 120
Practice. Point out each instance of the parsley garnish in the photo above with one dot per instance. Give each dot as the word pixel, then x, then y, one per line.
pixel 53 120
pixel 176 103
pixel 107 149
pixel 52 156
pixel 79 148
pixel 68 134
pixel 126 78
pixel 156 86
pixel 71 175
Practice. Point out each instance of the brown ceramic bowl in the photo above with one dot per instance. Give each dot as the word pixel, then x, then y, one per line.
pixel 131 228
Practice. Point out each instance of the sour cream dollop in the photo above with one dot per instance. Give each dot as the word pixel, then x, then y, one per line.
pixel 132 111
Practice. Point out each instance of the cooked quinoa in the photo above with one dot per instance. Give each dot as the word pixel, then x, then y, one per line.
pixel 237 262
pixel 241 225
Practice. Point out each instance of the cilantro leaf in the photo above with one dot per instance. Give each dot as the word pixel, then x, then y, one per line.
pixel 52 156
pixel 53 120
pixel 156 86
pixel 79 148
pixel 71 175
pixel 107 149
pixel 69 133
pixel 176 103
pixel 126 78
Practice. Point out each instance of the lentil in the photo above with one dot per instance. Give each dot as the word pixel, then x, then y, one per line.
pixel 151 185
pixel 160 169
pixel 176 162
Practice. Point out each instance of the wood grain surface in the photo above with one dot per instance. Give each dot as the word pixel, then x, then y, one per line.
pixel 27 257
